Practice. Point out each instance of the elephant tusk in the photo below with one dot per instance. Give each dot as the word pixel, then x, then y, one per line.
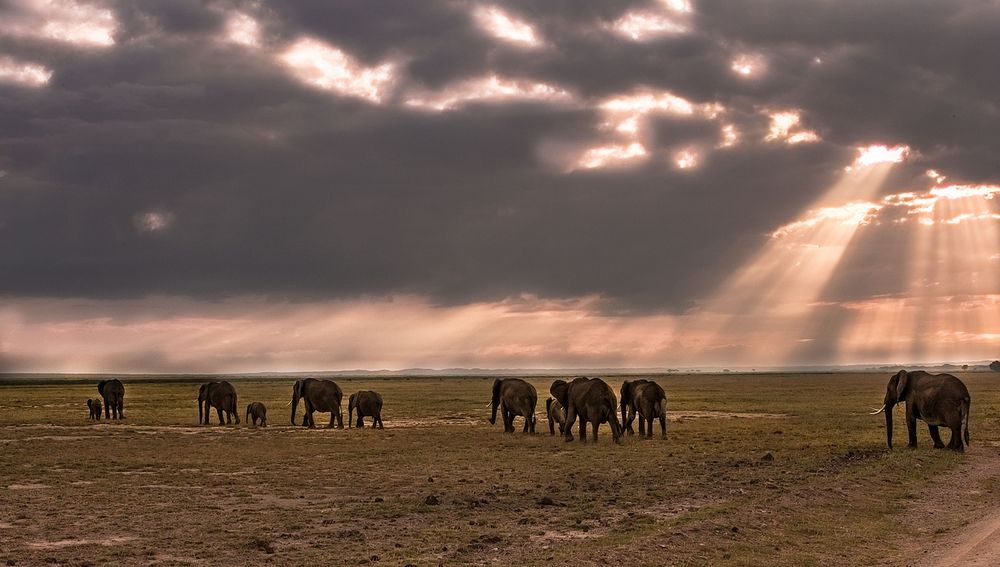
pixel 288 404
pixel 878 411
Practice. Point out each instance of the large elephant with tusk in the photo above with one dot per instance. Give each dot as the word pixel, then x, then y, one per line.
pixel 318 395
pixel 935 399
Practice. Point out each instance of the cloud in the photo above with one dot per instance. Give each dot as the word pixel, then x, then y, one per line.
pixel 330 151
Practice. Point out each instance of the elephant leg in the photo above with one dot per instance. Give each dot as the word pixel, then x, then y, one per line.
pixel 219 411
pixel 552 426
pixel 583 430
pixel 595 425
pixel 911 430
pixel 935 436
pixel 955 443
pixel 121 410
pixel 629 418
pixel 309 419
pixel 642 426
pixel 663 426
pixel 567 427
pixel 107 409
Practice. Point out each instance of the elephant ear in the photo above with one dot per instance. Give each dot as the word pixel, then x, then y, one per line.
pixel 902 381
pixel 558 391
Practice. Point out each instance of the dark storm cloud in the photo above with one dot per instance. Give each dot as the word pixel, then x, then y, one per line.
pixel 277 189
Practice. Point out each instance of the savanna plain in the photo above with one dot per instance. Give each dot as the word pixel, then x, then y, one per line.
pixel 756 469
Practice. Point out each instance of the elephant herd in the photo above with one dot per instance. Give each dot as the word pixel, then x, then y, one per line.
pixel 317 395
pixel 590 400
pixel 936 399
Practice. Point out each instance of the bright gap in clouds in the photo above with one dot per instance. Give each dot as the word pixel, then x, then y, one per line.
pixel 747 65
pixel 22 73
pixel 242 29
pixel 82 24
pixel 686 158
pixel 491 88
pixel 876 154
pixel 610 156
pixel 786 127
pixel 506 27
pixel 644 25
pixel 327 67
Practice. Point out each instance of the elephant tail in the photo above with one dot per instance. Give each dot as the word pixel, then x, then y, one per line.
pixel 966 409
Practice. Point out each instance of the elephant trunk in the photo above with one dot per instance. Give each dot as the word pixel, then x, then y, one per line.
pixel 295 404
pixel 235 409
pixel 200 415
pixel 350 412
pixel 495 402
pixel 888 425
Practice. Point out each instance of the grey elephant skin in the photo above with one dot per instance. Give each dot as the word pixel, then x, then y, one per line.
pixel 95 409
pixel 646 399
pixel 556 414
pixel 318 395
pixel 222 397
pixel 368 404
pixel 592 401
pixel 935 399
pixel 514 397
pixel 256 411
pixel 113 392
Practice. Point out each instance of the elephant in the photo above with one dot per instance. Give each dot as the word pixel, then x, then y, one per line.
pixel 936 399
pixel 557 415
pixel 113 392
pixel 95 409
pixel 647 399
pixel 590 399
pixel 514 397
pixel 318 395
pixel 256 411
pixel 221 396
pixel 368 404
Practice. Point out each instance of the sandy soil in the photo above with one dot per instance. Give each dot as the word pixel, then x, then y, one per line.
pixel 965 498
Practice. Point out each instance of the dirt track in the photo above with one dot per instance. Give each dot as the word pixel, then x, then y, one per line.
pixel 977 543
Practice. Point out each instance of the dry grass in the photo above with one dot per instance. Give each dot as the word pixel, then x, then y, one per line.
pixel 159 489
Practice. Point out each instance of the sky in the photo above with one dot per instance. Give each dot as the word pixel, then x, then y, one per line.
pixel 202 186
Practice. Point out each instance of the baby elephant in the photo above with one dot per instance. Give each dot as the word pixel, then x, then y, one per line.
pixel 95 409
pixel 367 403
pixel 557 415
pixel 257 411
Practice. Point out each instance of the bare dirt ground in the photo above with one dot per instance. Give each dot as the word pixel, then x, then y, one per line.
pixel 777 470
pixel 968 498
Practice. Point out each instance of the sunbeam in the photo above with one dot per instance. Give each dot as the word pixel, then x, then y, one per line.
pixel 774 295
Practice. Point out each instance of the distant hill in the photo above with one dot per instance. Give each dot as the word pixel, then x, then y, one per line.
pixel 972 366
